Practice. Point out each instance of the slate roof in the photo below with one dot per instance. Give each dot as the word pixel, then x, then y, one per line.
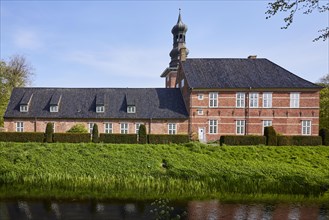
pixel 241 73
pixel 155 103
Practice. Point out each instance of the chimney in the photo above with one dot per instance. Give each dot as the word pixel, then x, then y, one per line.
pixel 183 54
pixel 252 57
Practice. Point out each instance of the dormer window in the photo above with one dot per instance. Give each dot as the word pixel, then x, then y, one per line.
pixel 24 108
pixel 100 108
pixel 131 109
pixel 53 108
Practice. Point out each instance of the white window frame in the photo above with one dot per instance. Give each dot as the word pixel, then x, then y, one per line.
pixel 137 125
pixel 90 127
pixel 213 126
pixel 294 99
pixel 266 123
pixel 200 111
pixel 108 128
pixel 267 100
pixel 172 128
pixel 240 127
pixel 124 128
pixel 53 108
pixel 240 100
pixel 19 126
pixel 253 100
pixel 213 99
pixel 24 108
pixel 200 96
pixel 182 83
pixel 131 109
pixel 100 108
pixel 306 127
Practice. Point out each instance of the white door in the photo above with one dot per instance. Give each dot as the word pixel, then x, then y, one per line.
pixel 201 135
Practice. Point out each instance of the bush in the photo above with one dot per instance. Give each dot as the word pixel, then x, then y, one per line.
pixel 119 138
pixel 95 137
pixel 22 137
pixel 324 133
pixel 271 137
pixel 168 138
pixel 78 128
pixel 299 140
pixel 242 140
pixel 142 137
pixel 49 133
pixel 71 137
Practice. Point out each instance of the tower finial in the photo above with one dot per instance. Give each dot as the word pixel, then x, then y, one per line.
pixel 179 10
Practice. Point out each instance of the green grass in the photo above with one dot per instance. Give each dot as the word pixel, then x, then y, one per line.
pixel 135 171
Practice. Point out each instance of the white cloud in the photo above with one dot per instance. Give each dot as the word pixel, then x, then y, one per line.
pixel 27 39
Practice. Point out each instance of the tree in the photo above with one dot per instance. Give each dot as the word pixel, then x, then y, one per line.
pixel 95 137
pixel 324 102
pixel 293 6
pixel 49 132
pixel 78 128
pixel 142 137
pixel 17 72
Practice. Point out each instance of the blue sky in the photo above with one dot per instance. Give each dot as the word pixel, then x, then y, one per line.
pixel 127 44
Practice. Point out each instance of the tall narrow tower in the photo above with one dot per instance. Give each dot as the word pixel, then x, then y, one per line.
pixel 179 37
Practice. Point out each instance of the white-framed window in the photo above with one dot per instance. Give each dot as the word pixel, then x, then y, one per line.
pixel 24 108
pixel 54 108
pixel 100 108
pixel 108 129
pixel 171 128
pixel 20 126
pixel 182 83
pixel 306 127
pixel 253 100
pixel 213 99
pixel 240 127
pixel 124 128
pixel 240 99
pixel 213 128
pixel 200 111
pixel 200 96
pixel 90 127
pixel 131 109
pixel 294 100
pixel 137 127
pixel 267 100
pixel 266 123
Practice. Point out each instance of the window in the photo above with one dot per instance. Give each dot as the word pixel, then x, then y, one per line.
pixel 213 126
pixel 294 100
pixel 240 99
pixel 54 108
pixel 253 100
pixel 200 111
pixel 137 127
pixel 240 127
pixel 266 123
pixel 306 127
pixel 200 96
pixel 177 85
pixel 267 100
pixel 20 126
pixel 100 108
pixel 124 128
pixel 24 108
pixel 108 128
pixel 182 83
pixel 91 127
pixel 171 128
pixel 213 99
pixel 131 109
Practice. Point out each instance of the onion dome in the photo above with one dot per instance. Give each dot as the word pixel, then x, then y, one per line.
pixel 180 26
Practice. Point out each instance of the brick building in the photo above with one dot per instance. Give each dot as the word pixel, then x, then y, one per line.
pixel 207 97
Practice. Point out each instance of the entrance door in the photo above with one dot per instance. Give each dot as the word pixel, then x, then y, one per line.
pixel 201 135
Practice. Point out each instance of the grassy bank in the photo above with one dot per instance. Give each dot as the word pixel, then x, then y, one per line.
pixel 189 171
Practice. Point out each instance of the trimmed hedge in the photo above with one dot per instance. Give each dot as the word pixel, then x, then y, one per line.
pixel 324 133
pixel 22 136
pixel 118 138
pixel 242 140
pixel 271 137
pixel 168 138
pixel 142 137
pixel 71 137
pixel 299 140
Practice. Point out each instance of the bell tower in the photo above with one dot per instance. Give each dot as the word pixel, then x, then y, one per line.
pixel 179 37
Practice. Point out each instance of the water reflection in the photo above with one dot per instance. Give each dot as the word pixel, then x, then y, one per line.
pixel 162 209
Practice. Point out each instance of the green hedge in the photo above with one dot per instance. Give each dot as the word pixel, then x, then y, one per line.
pixel 118 138
pixel 22 136
pixel 324 133
pixel 167 138
pixel 242 140
pixel 299 140
pixel 71 137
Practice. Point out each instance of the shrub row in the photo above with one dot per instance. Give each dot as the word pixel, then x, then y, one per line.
pixel 167 138
pixel 71 137
pixel 242 140
pixel 22 137
pixel 118 138
pixel 324 133
pixel 299 140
